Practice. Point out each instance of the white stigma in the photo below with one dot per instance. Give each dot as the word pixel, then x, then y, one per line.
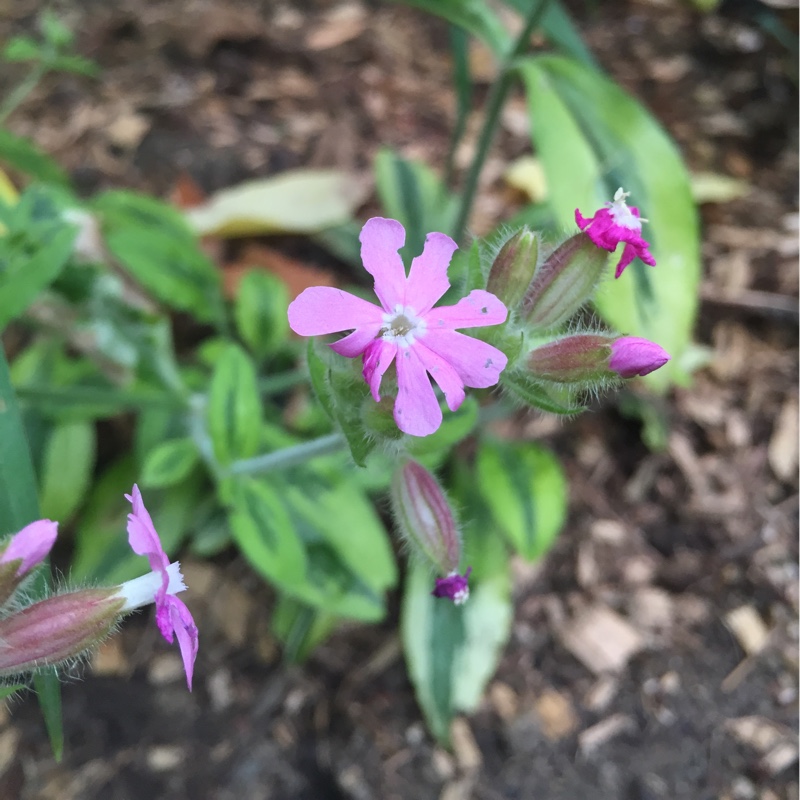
pixel 142 591
pixel 622 214
pixel 402 326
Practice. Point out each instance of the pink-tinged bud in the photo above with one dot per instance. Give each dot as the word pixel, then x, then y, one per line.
pixel 579 359
pixel 24 551
pixel 563 283
pixel 513 268
pixel 632 356
pixel 424 516
pixel 454 587
pixel 31 545
pixel 57 629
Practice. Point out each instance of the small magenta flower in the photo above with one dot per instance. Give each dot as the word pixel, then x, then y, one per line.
pixel 172 616
pixel 406 329
pixel 632 356
pixel 455 587
pixel 616 223
pixel 31 545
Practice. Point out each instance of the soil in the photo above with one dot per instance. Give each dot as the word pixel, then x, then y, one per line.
pixel 686 559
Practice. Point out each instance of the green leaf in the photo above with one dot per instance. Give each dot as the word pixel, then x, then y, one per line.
pixel 300 627
pixel 298 201
pixel 264 532
pixel 22 48
pixel 23 276
pixel 174 270
pixel 78 65
pixel 526 490
pixel 592 138
pixel 474 16
pixel 262 301
pixel 452 651
pixel 18 506
pixel 234 407
pixel 54 30
pixel 170 463
pixel 26 157
pixel 7 691
pixel 412 193
pixel 67 469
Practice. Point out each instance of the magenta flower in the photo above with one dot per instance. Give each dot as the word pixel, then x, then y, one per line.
pixel 406 328
pixel 31 545
pixel 172 616
pixel 454 587
pixel 632 356
pixel 614 224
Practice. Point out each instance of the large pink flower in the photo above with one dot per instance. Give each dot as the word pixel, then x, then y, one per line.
pixel 406 328
pixel 172 616
pixel 616 223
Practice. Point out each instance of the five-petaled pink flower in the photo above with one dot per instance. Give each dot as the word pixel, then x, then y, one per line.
pixel 406 328
pixel 172 616
pixel 616 223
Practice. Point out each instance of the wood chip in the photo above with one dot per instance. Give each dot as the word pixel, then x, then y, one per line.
pixel 601 733
pixel 465 748
pixel 557 717
pixel 504 700
pixel 783 444
pixel 748 628
pixel 109 658
pixel 342 24
pixel 601 693
pixel 601 639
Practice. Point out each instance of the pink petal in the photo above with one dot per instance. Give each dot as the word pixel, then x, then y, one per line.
pixel 182 623
pixel 445 376
pixel 322 309
pixel 377 358
pixel 478 364
pixel 32 544
pixel 355 343
pixel 380 240
pixel 427 280
pixel 143 538
pixel 477 309
pixel 416 410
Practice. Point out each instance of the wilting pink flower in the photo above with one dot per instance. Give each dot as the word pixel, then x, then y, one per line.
pixel 616 223
pixel 172 616
pixel 32 545
pixel 406 328
pixel 454 587
pixel 632 356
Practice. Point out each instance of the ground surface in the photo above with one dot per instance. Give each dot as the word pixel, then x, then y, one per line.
pixel 684 563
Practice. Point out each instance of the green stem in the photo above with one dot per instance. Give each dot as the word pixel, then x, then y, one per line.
pixel 115 400
pixel 494 105
pixel 22 90
pixel 288 456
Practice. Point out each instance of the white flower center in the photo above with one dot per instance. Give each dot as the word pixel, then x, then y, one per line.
pixel 622 214
pixel 402 326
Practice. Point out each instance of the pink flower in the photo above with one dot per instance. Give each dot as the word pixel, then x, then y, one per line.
pixel 614 224
pixel 406 328
pixel 454 587
pixel 172 616
pixel 632 356
pixel 32 545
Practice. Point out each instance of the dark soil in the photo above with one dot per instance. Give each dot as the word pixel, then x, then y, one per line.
pixel 671 543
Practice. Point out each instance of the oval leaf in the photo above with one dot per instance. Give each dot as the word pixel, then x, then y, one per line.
pixel 169 463
pixel 67 469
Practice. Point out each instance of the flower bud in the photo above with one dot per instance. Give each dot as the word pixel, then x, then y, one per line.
pixel 454 587
pixel 513 268
pixel 57 629
pixel 424 516
pixel 632 356
pixel 582 358
pixel 24 551
pixel 564 282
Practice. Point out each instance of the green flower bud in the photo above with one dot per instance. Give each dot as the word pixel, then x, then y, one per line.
pixel 564 282
pixel 514 267
pixel 579 359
